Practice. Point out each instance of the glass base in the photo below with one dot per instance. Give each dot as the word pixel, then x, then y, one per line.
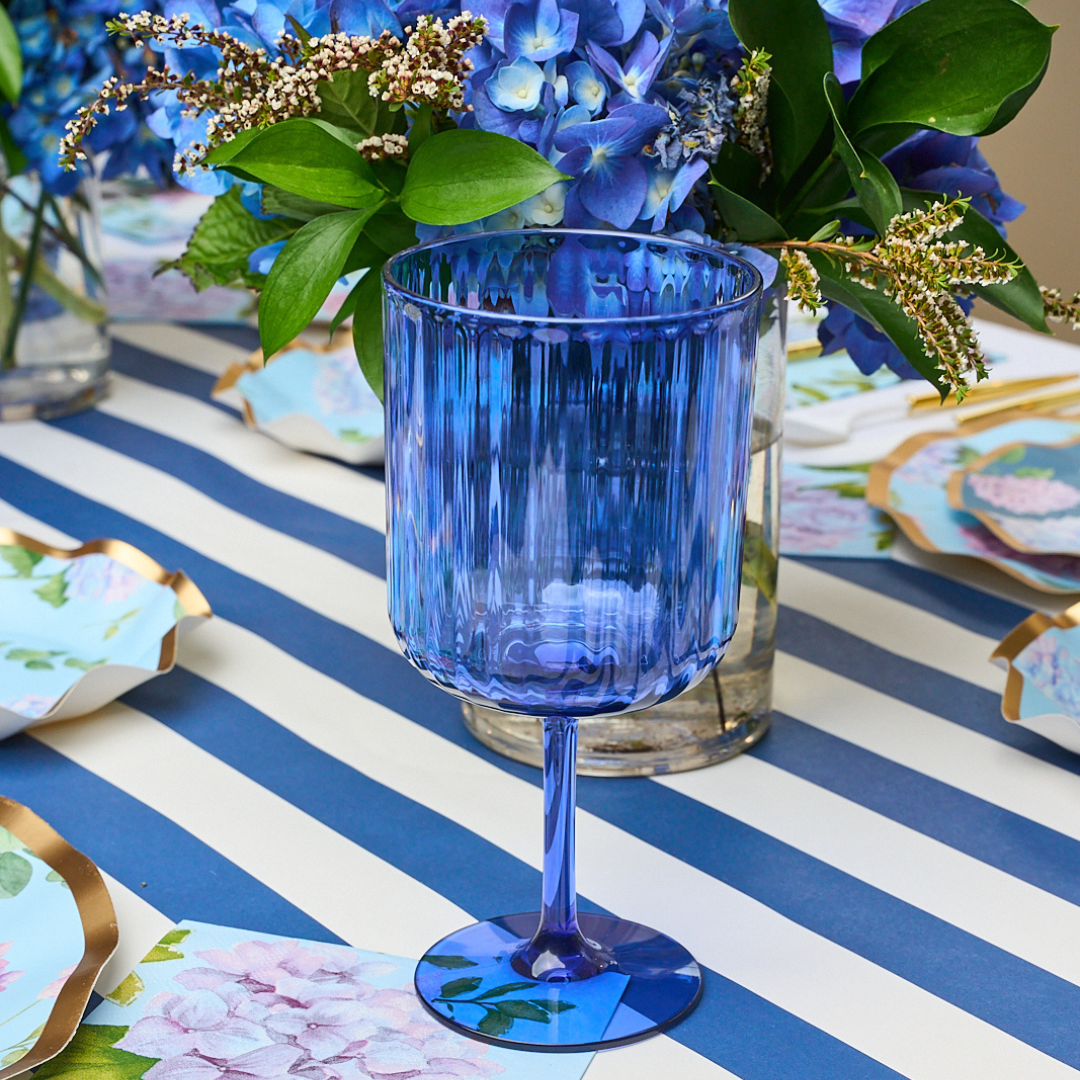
pixel 44 392
pixel 688 732
pixel 471 983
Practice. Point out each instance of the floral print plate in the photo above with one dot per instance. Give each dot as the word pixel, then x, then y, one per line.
pixel 310 399
pixel 824 512
pixel 210 1002
pixel 1027 494
pixel 910 485
pixel 57 930
pixel 1042 692
pixel 80 628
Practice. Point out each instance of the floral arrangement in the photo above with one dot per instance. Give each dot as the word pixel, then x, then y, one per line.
pixel 835 137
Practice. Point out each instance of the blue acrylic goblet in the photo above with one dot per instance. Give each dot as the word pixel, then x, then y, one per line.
pixel 568 419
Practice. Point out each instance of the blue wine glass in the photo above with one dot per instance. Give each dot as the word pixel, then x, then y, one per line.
pixel 568 418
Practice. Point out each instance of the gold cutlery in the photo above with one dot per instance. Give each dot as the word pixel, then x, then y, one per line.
pixel 930 400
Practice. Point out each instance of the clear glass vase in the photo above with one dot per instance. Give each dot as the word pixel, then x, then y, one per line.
pixel 54 346
pixel 731 709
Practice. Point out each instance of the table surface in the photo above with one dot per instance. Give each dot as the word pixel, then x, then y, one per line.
pixel 888 885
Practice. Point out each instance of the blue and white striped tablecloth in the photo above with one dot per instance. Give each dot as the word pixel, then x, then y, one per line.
pixel 887 886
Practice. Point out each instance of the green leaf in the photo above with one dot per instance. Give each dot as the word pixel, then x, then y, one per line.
pixel 343 313
pixel 217 253
pixel 390 230
pixel 160 953
pixel 174 937
pixel 880 312
pixel 54 591
pixel 495 1023
pixel 748 223
pixel 759 565
pixel 9 841
pixel 524 1010
pixel 421 129
pixel 39 665
pixel 368 328
pixel 306 157
pixel 448 963
pixel 509 988
pixel 21 560
pixel 57 878
pixel 11 66
pixel 951 65
pixel 555 1005
pixel 875 187
pixel 738 170
pixel 127 991
pixel 83 665
pixel 461 175
pixel 91 1055
pixel 15 873
pixel 33 654
pixel 297 207
pixel 457 987
pixel 1020 297
pixel 303 275
pixel 13 153
pixel 795 34
pixel 347 103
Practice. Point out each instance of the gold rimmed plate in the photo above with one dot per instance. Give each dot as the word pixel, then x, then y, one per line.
pixel 80 628
pixel 57 931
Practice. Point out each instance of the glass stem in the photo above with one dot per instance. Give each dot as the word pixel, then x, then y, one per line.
pixel 7 358
pixel 559 952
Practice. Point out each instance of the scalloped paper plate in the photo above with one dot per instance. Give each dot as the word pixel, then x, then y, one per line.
pixel 910 485
pixel 309 399
pixel 57 930
pixel 1028 494
pixel 80 628
pixel 1042 692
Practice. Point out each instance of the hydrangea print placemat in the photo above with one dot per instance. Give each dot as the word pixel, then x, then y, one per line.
pixel 215 1003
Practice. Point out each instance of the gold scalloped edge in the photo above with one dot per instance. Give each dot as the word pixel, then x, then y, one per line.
pixel 193 602
pixel 954 492
pixel 255 362
pixel 881 472
pixel 1016 641
pixel 100 932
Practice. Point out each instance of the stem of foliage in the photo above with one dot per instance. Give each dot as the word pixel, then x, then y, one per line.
pixel 6 299
pixel 7 360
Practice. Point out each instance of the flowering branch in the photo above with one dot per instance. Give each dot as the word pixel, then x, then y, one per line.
pixel 1060 310
pixel 751 83
pixel 920 274
pixel 252 90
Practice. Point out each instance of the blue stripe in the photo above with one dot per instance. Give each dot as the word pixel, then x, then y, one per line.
pixel 967 607
pixel 141 848
pixel 959 967
pixel 995 836
pixel 468 870
pixel 926 688
pixel 239 334
pixel 167 374
pixel 348 540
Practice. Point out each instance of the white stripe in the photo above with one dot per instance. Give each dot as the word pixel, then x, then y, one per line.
pixel 141 925
pixel 853 999
pixel 980 899
pixel 11 517
pixel 891 624
pixel 182 344
pixel 322 582
pixel 953 754
pixel 362 898
pixel 355 894
pixel 342 491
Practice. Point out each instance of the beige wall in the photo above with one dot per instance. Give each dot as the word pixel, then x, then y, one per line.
pixel 1037 158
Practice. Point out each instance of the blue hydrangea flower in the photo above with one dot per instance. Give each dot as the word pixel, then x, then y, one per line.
pixel 641 67
pixel 516 85
pixel 587 88
pixel 538 30
pixel 605 157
